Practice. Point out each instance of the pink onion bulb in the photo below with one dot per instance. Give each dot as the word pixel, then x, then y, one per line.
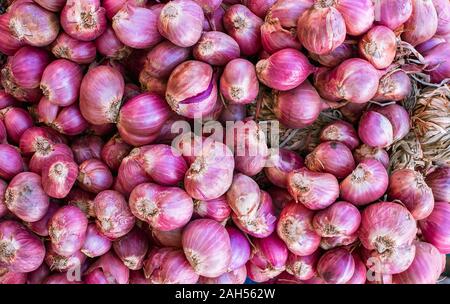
pixel 302 267
pixel 95 244
pixel 108 269
pixel 288 11
pixel 393 13
pixel 138 277
pixel 57 262
pixel 213 22
pixel 391 261
pixel 209 6
pixel 340 131
pixel 284 70
pixel 386 226
pixel 295 228
pixel 216 48
pixel 207 247
pixel 109 45
pixel 358 15
pixel 379 46
pixel 237 276
pixel 10 42
pixel 243 196
pixel 336 266
pixel 375 130
pixel 44 154
pixel 423 23
pixel 337 56
pixel 94 176
pixel 192 89
pixel 37 138
pixel 3 208
pixel 240 248
pixel 27 66
pixel 59 174
pixel 83 200
pixel 238 83
pixel 435 227
pixel 114 151
pixel 101 93
pixel 261 222
pixel 81 52
pixel 170 238
pixel 11 162
pixel 439 181
pixel 181 22
pixel 331 157
pixel 327 243
pixel 394 86
pixel 114 218
pixel 25 197
pixel 163 208
pixel 313 189
pixel 399 119
pixel 341 218
pixel 17 121
pixel 215 209
pixel 367 183
pixel 443 13
pixel 299 107
pixel 366 152
pixel 244 26
pixel 164 58
pixel 136 27
pixel 274 37
pixel 169 266
pixel 410 188
pixel 21 251
pixel 83 19
pixel 280 197
pixel 33 25
pixel 132 248
pixel 60 278
pixel 437 62
pixel 131 173
pixel 86 147
pixel 279 164
pixel 39 275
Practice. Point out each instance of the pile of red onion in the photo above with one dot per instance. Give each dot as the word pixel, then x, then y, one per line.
pixel 103 182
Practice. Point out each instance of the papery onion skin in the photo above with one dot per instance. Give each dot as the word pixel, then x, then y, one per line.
pixel 181 22
pixel 132 248
pixel 375 130
pixel 207 247
pixel 302 267
pixel 274 37
pixel 94 176
pixel 435 227
pixel 243 196
pixel 336 266
pixel 81 52
pixel 341 218
pixel 340 131
pixel 238 82
pixel 410 188
pixel 313 189
pixel 385 226
pixel 443 13
pixel 399 119
pixel 327 243
pixel 279 164
pixel 95 244
pixel 367 183
pixel 379 46
pixel 216 209
pixel 37 139
pixel 439 181
pixel 423 23
pixel 21 250
pixel 57 262
pixel 394 86
pixel 366 152
pixel 289 11
pixel 59 174
pixel 358 15
pixel 83 200
pixel 11 162
pixel 437 62
pixel 3 208
pixel 391 261
pixel 269 254
pixel 393 13
pixel 295 228
pixel 216 48
pixel 284 70
pixel 164 58
pixel 113 6
pixel 27 66
pixel 170 238
pixel 42 156
pixel 109 45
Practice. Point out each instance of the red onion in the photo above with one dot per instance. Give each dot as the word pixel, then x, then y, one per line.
pixel 114 151
pixel 25 197
pixel 423 23
pixel 7 277
pixel 6 100
pixel 61 82
pixel 192 89
pixel 101 92
pixel 3 135
pixel 425 269
pixel 59 174
pixel 46 111
pixel 337 56
pixel 94 176
pixel 327 243
pixel 27 66
pixel 215 209
pixel 136 27
pixel 336 266
pixel 437 62
pixel 321 29
pixel 164 58
pixel 3 208
pixel 238 83
pixel 21 251
pixel 170 238
pixel 340 131
pixel 83 19
pixel 288 11
pixel 95 243
pixel 33 25
pixel 295 228
pixel 163 208
pixel 443 13
pixel 11 162
pixel 237 276
pixel 169 266
pixel 132 248
pixel 60 278
pixel 86 147
pixel 269 255
pixel 213 21
pixel 379 46
pixel 153 84
pixel 81 52
pixel 261 221
pixel 393 13
pixel 341 218
pixel 16 121
pixel 39 275
pixel 137 277
pixel 386 226
pixel 45 153
pixel 63 263
pixel 367 183
pixel 284 70
pixel 211 174
pixel 399 119
pixel 391 261
pixel 439 181
pixel 366 152
pixel 331 157
pixel 375 130
pixel 358 15
pixel 181 22
pixel 299 107
pixel 240 249
pixel 109 45
pixel 113 6
pixel 37 139
pixel 41 227
pixel 216 48
pixel 209 6
pixel 83 200
pixel 302 267
pixel 70 121
pixel 360 273
pixel 274 37
pixel 108 269
pixel 10 43
pixel 313 189
pixel 243 196
pixel 280 197
pixel 142 115
pixel 206 245
pixel 435 227
pixel 279 164
pixel 131 173
pixel 394 86
pixel 410 188
pixel 114 218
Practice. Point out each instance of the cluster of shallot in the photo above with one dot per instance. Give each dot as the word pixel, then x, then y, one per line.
pixel 102 182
